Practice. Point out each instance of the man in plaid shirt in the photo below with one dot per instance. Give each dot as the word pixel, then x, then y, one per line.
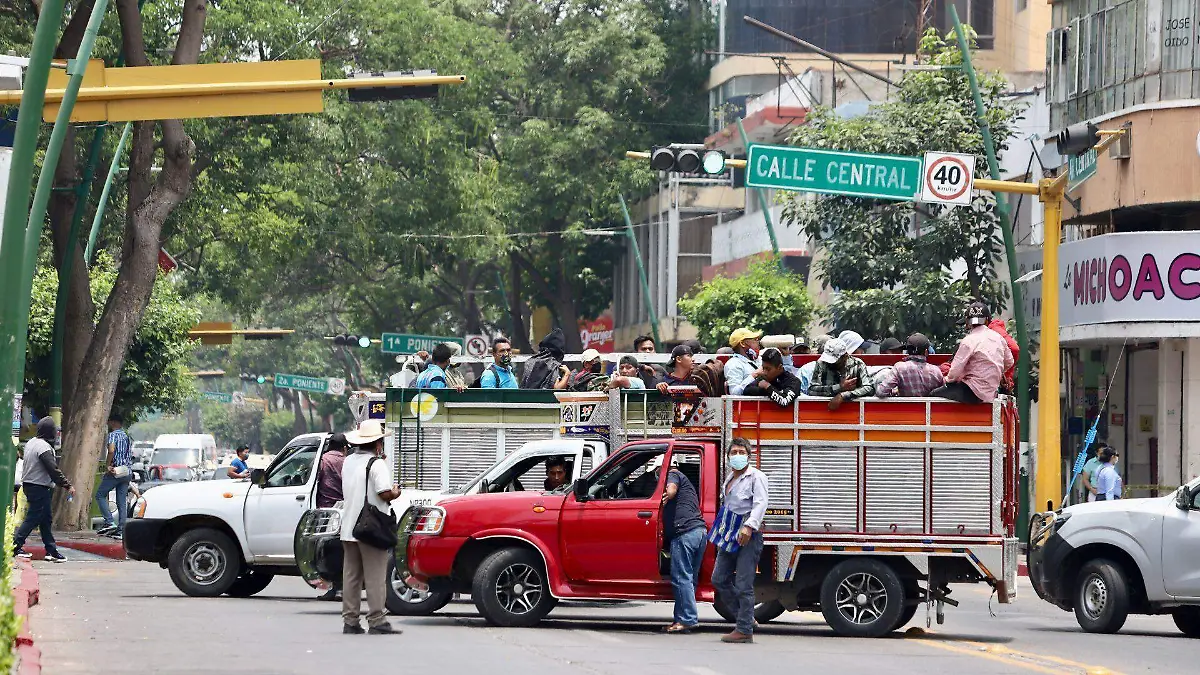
pixel 914 376
pixel 840 376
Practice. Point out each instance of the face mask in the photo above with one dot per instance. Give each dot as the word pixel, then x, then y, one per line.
pixel 506 361
pixel 752 353
pixel 739 462
pixel 597 367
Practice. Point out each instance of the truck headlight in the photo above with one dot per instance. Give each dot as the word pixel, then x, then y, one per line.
pixel 139 509
pixel 430 520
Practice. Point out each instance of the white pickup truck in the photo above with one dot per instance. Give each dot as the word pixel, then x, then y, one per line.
pixel 233 537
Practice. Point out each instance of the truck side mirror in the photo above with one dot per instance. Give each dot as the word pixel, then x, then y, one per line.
pixel 580 488
pixel 258 476
pixel 1183 499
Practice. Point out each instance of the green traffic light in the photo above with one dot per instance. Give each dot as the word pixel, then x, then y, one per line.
pixel 364 341
pixel 714 162
pixel 261 379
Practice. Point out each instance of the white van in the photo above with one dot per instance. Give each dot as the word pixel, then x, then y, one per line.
pixel 196 451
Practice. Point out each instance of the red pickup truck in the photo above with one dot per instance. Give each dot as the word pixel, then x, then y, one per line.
pixel 940 510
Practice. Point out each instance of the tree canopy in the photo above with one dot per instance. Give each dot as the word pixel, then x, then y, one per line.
pixel 765 298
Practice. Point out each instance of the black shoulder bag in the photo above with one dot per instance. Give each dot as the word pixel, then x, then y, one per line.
pixel 374 527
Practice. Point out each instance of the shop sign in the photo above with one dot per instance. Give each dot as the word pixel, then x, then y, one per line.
pixel 1143 276
pixel 598 334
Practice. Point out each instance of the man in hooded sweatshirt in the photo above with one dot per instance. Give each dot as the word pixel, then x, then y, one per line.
pixel 545 370
pixel 39 473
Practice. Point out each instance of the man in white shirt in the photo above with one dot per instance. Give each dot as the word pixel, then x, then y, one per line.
pixel 365 481
pixel 739 369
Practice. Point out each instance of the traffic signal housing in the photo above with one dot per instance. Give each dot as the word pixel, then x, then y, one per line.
pixel 688 160
pixel 395 92
pixel 1078 138
pixel 256 378
pixel 347 340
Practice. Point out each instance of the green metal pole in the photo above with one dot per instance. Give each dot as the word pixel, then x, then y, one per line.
pixel 41 199
pixel 12 234
pixel 102 205
pixel 989 146
pixel 762 200
pixel 637 256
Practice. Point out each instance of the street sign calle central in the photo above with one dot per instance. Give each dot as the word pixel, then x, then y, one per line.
pixel 851 174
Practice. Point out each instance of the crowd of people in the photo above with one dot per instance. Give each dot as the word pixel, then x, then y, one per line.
pixel 981 368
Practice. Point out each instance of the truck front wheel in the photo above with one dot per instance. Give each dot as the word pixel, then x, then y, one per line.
pixel 1101 597
pixel 204 562
pixel 862 598
pixel 511 588
pixel 250 582
pixel 1188 620
pixel 404 600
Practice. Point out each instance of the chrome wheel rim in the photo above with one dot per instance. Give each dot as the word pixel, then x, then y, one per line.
pixel 405 592
pixel 204 563
pixel 519 589
pixel 1095 596
pixel 861 598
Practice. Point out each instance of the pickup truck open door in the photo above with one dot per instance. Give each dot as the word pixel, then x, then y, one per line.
pixel 274 505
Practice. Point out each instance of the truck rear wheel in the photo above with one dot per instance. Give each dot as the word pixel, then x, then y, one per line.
pixel 204 562
pixel 1188 620
pixel 862 598
pixel 404 600
pixel 250 582
pixel 1101 597
pixel 511 588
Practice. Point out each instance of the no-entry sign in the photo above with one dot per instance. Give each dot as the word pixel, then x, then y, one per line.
pixel 948 178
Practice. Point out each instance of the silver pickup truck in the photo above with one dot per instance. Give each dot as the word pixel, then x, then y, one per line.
pixel 1107 560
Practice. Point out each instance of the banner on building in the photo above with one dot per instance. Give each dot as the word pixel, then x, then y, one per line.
pixel 598 333
pixel 1143 276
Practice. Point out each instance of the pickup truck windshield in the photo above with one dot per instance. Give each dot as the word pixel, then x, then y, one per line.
pixel 169 456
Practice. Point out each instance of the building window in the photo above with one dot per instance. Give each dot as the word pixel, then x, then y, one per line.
pixel 978 14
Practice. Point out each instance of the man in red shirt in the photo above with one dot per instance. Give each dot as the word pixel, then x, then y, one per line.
pixel 981 360
pixel 329 489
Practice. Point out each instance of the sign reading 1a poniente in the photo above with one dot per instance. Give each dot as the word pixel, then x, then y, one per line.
pixel 851 174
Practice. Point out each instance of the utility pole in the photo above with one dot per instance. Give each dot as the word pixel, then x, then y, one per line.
pixel 637 256
pixel 762 201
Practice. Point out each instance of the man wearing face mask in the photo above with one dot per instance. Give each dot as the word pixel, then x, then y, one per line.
pixel 590 375
pixel 740 368
pixel 500 374
pixel 745 504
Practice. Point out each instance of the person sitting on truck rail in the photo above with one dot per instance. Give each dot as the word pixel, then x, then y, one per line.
pixel 739 369
pixel 980 362
pixel 805 372
pixel 627 375
pixel 840 375
pixel 914 376
pixel 773 381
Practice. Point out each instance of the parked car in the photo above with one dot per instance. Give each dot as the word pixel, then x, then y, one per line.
pixel 1107 560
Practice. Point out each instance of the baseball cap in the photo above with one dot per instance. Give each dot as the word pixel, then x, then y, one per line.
pixel 741 334
pixel 977 314
pixel 678 351
pixel 918 343
pixel 590 355
pixel 888 344
pixel 851 339
pixel 834 350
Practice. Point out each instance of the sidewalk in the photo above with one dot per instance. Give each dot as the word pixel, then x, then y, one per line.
pixel 89 542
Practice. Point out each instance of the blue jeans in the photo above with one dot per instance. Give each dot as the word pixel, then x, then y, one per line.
pixel 687 552
pixel 733 579
pixel 37 516
pixel 107 485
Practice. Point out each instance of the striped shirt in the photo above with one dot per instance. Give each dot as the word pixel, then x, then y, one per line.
pixel 119 440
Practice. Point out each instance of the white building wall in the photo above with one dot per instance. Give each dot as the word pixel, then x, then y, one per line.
pixel 747 236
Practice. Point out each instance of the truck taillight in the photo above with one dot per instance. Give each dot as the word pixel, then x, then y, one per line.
pixel 430 521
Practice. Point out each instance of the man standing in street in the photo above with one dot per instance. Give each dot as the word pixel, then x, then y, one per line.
pixel 117 475
pixel 840 375
pixel 329 488
pixel 499 375
pixel 981 360
pixel 914 376
pixel 745 493
pixel 238 467
pixel 40 472
pixel 364 565
pixel 1109 485
pixel 684 528
pixel 739 369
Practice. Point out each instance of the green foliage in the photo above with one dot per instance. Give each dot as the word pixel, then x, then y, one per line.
pixel 276 431
pixel 764 298
pixel 149 430
pixel 10 623
pixel 153 376
pixel 232 425
pixel 891 264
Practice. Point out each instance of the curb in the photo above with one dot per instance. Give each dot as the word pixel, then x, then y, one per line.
pixel 25 595
pixel 115 550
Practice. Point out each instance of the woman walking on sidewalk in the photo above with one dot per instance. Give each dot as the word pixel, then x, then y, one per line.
pixel 40 473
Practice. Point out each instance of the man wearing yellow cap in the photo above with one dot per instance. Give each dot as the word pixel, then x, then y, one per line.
pixel 740 369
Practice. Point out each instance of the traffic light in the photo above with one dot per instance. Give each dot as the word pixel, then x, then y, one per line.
pixel 254 377
pixel 1078 138
pixel 344 340
pixel 688 160
pixel 395 92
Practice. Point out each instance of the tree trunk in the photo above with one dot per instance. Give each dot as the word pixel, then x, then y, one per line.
pixel 516 308
pixel 150 204
pixel 299 425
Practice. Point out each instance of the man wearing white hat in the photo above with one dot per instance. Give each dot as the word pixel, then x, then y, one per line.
pixel 588 377
pixel 840 376
pixel 367 482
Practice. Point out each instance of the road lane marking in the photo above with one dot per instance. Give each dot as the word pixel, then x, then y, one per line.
pixel 1008 655
pixel 991 657
pixel 603 637
pixel 700 670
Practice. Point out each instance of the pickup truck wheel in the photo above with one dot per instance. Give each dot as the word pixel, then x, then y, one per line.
pixel 862 598
pixel 1101 597
pixel 1188 620
pixel 250 582
pixel 764 612
pixel 405 601
pixel 204 562
pixel 511 588
pixel 906 616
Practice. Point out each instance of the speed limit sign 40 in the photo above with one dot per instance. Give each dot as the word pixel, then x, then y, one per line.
pixel 948 178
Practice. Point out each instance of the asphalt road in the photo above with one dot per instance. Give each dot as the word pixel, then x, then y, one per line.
pixel 100 616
